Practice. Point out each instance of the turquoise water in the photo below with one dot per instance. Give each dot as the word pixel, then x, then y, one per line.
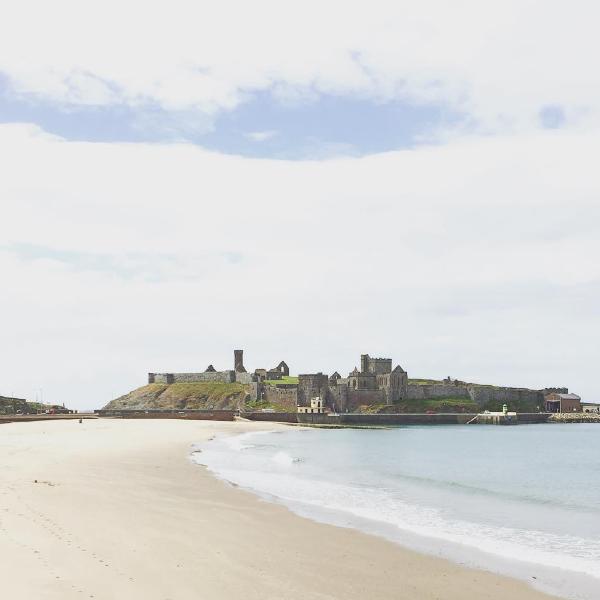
pixel 523 501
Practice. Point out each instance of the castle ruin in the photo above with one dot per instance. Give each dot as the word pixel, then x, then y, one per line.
pixel 237 375
pixel 376 383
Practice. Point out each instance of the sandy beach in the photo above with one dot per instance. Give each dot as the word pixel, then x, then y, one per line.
pixel 120 512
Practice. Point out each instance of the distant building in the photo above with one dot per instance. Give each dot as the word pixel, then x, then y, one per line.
pixel 562 403
pixel 316 407
pixel 590 407
pixel 11 406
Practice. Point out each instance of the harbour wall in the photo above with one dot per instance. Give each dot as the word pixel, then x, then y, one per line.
pixel 348 419
pixel 199 414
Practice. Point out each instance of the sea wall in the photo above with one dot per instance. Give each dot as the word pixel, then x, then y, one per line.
pixel 194 414
pixel 350 419
pixel 273 417
pixel 574 418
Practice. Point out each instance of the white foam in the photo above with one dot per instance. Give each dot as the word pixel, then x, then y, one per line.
pixel 284 459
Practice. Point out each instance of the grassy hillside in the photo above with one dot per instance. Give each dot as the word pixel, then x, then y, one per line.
pixel 183 395
pixel 438 405
pixel 9 406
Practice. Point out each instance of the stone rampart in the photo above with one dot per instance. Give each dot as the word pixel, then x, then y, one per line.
pixel 243 377
pixel 311 385
pixel 484 394
pixel 208 376
pixel 356 398
pixel 284 397
pixel 337 398
pixel 436 390
pixel 481 394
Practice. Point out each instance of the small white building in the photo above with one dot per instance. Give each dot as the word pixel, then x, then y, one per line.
pixel 316 406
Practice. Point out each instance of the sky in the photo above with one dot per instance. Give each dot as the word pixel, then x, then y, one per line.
pixel 307 181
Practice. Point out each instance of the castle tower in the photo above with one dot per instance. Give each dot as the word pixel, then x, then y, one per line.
pixel 364 363
pixel 238 361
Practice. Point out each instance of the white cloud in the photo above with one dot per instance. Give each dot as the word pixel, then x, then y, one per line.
pixel 501 63
pixel 476 259
pixel 261 136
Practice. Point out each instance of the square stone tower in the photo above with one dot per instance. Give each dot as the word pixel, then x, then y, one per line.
pixel 238 361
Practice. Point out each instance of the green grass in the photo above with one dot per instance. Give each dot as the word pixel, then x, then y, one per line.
pixel 424 405
pixel 423 381
pixel 434 402
pixel 285 380
pixel 258 405
pixel 208 395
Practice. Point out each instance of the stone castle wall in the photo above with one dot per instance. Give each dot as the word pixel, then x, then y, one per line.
pixel 310 386
pixel 481 394
pixel 287 397
pixel 244 377
pixel 214 376
pixel 337 397
pixel 356 398
pixel 436 390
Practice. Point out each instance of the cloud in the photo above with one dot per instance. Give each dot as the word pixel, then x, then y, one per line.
pixel 261 136
pixel 499 64
pixel 476 258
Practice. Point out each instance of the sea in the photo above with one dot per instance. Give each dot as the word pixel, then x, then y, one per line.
pixel 522 501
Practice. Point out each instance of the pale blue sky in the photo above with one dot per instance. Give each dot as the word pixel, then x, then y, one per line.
pixel 262 126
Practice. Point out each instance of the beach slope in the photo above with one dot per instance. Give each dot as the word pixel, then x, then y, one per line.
pixel 114 509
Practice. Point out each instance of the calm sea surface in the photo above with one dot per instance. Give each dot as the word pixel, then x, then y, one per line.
pixel 523 500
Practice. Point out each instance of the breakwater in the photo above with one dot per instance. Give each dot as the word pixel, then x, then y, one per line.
pixel 575 418
pixel 44 417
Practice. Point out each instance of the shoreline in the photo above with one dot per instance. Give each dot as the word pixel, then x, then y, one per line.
pixel 248 461
pixel 119 507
